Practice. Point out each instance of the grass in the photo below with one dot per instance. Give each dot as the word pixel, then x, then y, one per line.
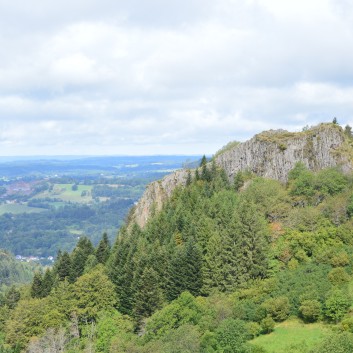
pixel 290 333
pixel 65 193
pixel 17 208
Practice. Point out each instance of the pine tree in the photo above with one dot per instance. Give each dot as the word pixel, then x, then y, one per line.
pixel 203 161
pixel 205 173
pixel 12 297
pixel 238 180
pixel 185 271
pixel 188 178
pixel 37 286
pixel 63 267
pixel 79 256
pixel 103 249
pixel 47 283
pixel 251 242
pixel 149 295
pixel 215 274
pixel 122 267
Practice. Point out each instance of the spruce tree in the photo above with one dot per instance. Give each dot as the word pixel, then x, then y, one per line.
pixel 203 161
pixel 12 297
pixel 122 267
pixel 251 242
pixel 188 178
pixel 79 256
pixel 238 180
pixel 37 286
pixel 215 275
pixel 47 283
pixel 185 271
pixel 149 295
pixel 103 249
pixel 63 267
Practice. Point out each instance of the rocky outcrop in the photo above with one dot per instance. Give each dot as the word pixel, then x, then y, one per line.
pixel 156 194
pixel 271 154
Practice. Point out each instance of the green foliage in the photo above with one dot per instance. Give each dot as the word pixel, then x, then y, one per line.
pixel 338 343
pixel 229 146
pixel 231 336
pixel 336 305
pixel 267 325
pixel 12 271
pixel 111 324
pixel 310 310
pixel 278 308
pixel 183 310
pixel 25 321
pixel 94 292
pixel 338 276
pixel 184 339
pixel 103 249
pixel 149 295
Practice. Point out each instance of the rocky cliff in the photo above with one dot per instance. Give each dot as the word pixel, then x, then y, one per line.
pixel 155 195
pixel 271 154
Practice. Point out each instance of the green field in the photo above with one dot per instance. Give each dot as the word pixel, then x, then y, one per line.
pixel 16 209
pixel 64 192
pixel 290 334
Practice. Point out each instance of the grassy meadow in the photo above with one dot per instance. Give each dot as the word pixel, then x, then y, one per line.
pixel 292 334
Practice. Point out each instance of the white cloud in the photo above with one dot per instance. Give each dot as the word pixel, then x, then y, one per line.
pixel 168 77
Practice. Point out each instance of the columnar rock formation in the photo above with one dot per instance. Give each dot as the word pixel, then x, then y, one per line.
pixel 271 154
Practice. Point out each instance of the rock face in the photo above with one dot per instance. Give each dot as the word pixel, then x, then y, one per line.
pixel 156 194
pixel 271 154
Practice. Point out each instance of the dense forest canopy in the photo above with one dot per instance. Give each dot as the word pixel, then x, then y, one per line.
pixel 222 265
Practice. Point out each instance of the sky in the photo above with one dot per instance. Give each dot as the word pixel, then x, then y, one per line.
pixel 117 77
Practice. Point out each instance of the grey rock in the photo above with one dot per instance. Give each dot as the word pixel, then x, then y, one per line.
pixel 270 154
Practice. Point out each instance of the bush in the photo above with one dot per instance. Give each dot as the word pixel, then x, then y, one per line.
pixel 267 325
pixel 231 335
pixel 277 308
pixel 336 343
pixel 338 276
pixel 336 305
pixel 310 310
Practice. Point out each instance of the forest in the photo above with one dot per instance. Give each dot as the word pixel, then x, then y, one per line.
pixel 46 204
pixel 226 266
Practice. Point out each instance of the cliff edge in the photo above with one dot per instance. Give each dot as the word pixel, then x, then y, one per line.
pixel 270 154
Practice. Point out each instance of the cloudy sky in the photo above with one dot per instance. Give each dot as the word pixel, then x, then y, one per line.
pixel 168 77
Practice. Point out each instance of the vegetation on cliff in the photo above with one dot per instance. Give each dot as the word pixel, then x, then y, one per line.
pixel 242 265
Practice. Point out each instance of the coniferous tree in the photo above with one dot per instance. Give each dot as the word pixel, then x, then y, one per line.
pixel 149 295
pixel 203 161
pixel 79 256
pixel 188 178
pixel 251 242
pixel 215 276
pixel 122 267
pixel 37 286
pixel 103 249
pixel 63 267
pixel 12 297
pixel 47 283
pixel 185 271
pixel 205 173
pixel 238 180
